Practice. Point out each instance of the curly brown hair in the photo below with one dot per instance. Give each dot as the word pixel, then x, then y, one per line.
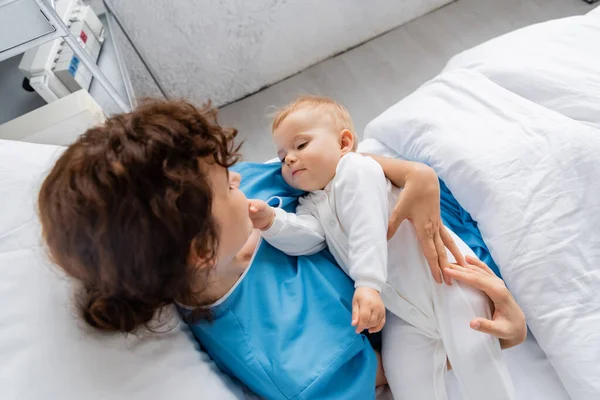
pixel 125 205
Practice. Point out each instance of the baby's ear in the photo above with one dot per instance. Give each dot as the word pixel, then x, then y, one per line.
pixel 346 141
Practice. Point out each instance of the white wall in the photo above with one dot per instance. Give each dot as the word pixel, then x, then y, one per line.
pixel 224 50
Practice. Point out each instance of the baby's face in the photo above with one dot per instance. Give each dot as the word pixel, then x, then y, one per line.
pixel 309 148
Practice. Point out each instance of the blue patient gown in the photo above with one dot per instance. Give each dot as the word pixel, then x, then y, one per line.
pixel 284 330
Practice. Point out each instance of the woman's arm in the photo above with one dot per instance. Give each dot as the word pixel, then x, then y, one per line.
pixel 420 203
pixel 508 321
pixel 397 170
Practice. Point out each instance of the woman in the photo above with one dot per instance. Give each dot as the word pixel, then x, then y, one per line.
pixel 145 213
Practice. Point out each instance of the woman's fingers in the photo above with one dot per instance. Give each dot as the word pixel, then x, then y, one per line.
pixel 480 264
pixel 426 234
pixel 489 283
pixel 393 225
pixel 494 328
pixel 465 275
pixel 442 256
pixel 476 270
pixel 508 322
pixel 432 235
pixel 450 245
pixel 398 215
pixel 496 288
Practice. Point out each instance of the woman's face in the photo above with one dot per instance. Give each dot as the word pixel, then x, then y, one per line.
pixel 230 210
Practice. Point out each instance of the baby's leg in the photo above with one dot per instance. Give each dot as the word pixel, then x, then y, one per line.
pixel 414 363
pixel 445 312
pixel 476 357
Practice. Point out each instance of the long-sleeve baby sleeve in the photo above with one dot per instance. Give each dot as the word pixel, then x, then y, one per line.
pixel 361 202
pixel 296 234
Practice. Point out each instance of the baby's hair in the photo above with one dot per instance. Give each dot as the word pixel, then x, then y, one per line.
pixel 339 114
pixel 127 203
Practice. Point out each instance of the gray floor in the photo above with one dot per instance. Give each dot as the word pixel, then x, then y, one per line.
pixel 375 75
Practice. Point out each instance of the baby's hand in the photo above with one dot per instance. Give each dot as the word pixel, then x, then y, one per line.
pixel 368 311
pixel 261 214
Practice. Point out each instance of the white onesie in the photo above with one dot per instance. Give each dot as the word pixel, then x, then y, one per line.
pixel 426 322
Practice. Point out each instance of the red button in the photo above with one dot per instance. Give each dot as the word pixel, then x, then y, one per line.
pixel 83 36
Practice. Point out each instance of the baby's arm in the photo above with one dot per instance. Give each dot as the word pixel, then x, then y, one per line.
pixel 361 205
pixel 294 234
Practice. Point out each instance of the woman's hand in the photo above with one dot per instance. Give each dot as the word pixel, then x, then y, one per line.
pixel 508 321
pixel 419 202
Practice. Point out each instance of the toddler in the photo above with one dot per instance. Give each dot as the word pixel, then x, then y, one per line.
pixel 347 208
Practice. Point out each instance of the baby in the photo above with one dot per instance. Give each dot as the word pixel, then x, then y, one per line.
pixel 346 209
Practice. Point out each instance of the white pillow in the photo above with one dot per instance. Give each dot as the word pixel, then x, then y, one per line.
pixel 529 177
pixel 555 64
pixel 47 351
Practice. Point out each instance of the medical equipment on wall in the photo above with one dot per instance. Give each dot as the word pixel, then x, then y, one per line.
pixel 53 69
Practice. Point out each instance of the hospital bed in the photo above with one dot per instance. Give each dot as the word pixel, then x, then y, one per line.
pixel 512 127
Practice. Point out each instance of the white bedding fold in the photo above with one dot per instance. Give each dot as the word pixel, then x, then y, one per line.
pixel 529 176
pixel 555 64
